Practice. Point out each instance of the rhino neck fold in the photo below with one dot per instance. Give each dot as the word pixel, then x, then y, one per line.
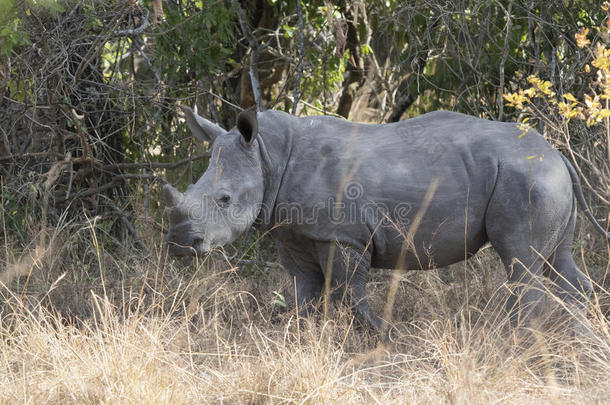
pixel 275 147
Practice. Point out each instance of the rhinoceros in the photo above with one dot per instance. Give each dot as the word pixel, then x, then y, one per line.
pixel 341 197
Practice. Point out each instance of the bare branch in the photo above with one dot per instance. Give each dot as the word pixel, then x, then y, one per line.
pixel 297 90
pixel 128 224
pixel 254 53
pixel 137 176
pixel 509 24
pixel 134 43
pixel 135 31
pixel 155 165
pixel 223 100
pixel 32 155
pixel 313 107
pixel 88 192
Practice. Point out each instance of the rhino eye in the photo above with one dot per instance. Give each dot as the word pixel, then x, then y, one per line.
pixel 224 200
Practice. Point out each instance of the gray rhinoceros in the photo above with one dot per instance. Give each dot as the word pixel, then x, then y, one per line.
pixel 340 197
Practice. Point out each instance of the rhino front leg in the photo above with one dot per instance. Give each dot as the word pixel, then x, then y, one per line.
pixel 306 273
pixel 347 268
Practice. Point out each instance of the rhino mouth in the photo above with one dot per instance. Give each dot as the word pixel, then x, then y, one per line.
pixel 199 247
pixel 177 250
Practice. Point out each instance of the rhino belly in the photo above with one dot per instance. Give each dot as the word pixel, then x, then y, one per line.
pixel 438 242
pixel 426 259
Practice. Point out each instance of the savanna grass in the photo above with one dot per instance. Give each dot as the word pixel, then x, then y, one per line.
pixel 84 322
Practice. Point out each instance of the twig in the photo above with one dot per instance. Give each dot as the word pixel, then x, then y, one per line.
pixel 223 100
pixel 5 143
pixel 140 177
pixel 155 165
pixel 130 227
pixel 297 90
pixel 135 31
pixel 266 264
pixel 82 134
pixel 115 180
pixel 255 49
pixel 39 123
pixel 88 58
pixel 31 155
pixel 509 24
pixel 88 192
pixel 147 59
pixel 313 107
pixel 583 178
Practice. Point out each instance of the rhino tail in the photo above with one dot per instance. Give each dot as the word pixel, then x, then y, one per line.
pixel 577 187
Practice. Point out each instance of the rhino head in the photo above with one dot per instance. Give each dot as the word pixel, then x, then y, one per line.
pixel 227 198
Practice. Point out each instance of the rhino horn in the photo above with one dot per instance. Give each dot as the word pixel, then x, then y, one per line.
pixel 200 127
pixel 171 195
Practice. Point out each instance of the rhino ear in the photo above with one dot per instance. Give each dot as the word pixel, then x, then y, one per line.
pixel 247 125
pixel 171 196
pixel 200 127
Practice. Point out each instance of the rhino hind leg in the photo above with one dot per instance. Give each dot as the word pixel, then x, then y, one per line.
pixel 574 289
pixel 574 286
pixel 525 223
pixel 348 271
pixel 527 296
pixel 524 271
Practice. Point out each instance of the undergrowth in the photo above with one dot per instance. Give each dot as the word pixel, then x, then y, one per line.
pixel 83 323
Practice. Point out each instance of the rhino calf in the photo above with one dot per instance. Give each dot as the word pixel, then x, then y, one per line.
pixel 340 197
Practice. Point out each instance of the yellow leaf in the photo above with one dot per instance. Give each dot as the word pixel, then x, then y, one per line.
pixel 570 97
pixel 581 38
pixel 588 100
pixel 603 113
pixel 531 92
pixel 28 12
pixel 533 79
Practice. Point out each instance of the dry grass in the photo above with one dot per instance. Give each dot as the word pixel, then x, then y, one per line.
pixel 158 332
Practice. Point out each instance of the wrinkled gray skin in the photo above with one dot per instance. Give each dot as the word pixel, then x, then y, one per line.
pixel 316 182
